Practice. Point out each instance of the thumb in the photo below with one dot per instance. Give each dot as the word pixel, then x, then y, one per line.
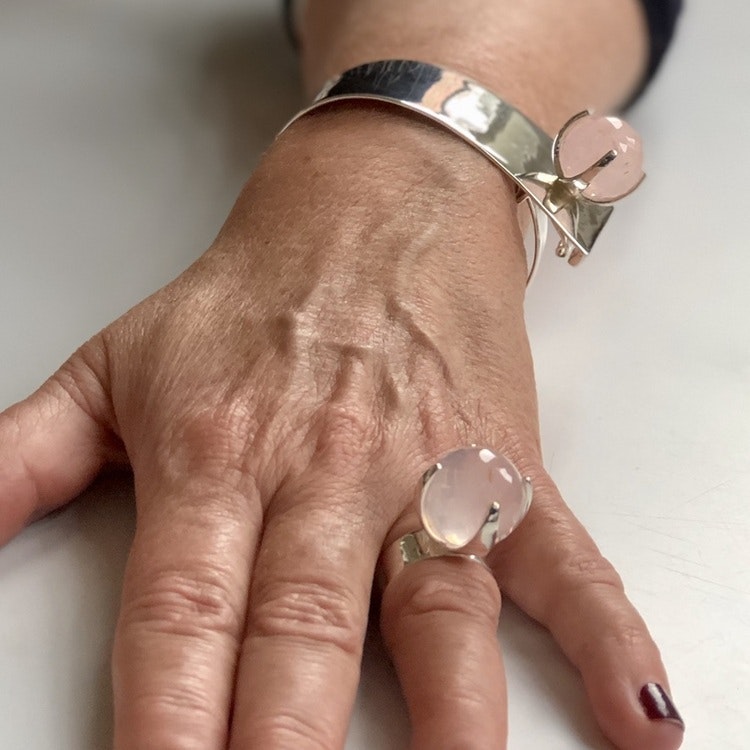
pixel 55 442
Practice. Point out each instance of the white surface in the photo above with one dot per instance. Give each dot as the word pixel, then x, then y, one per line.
pixel 126 129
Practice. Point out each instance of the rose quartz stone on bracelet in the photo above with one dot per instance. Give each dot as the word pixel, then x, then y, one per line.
pixel 458 496
pixel 585 140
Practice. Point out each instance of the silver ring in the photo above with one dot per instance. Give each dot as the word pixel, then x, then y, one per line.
pixel 469 500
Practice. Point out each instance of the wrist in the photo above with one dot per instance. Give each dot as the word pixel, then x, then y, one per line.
pixel 550 60
pixel 377 193
pixel 395 152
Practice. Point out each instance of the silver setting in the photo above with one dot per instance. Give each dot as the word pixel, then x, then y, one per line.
pixel 488 533
pixel 420 546
pixel 428 474
pixel 499 131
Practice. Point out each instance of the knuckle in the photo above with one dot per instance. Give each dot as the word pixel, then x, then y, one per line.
pixel 521 446
pixel 180 715
pixel 629 637
pixel 193 605
pixel 590 569
pixel 450 592
pixel 549 505
pixel 349 433
pixel 86 370
pixel 217 429
pixel 211 442
pixel 288 731
pixel 579 576
pixel 75 381
pixel 619 636
pixel 502 432
pixel 319 611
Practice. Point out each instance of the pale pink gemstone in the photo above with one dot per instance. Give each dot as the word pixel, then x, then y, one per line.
pixel 457 498
pixel 586 140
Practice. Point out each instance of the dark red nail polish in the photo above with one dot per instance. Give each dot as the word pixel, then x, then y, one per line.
pixel 658 705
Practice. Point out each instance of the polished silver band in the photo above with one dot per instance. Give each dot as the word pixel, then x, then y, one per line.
pixel 499 131
pixel 417 546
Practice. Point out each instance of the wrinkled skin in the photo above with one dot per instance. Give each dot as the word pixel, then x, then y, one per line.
pixel 360 313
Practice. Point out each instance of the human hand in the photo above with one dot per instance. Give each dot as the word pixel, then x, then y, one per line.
pixel 360 314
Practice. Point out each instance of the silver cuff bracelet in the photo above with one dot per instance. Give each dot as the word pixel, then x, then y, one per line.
pixel 568 180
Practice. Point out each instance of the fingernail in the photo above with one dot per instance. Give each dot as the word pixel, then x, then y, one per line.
pixel 658 705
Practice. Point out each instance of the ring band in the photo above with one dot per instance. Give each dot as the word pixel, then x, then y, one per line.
pixel 469 500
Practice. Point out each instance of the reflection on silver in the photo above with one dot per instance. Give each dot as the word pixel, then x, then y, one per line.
pixel 488 533
pixel 471 109
pixel 505 136
pixel 420 546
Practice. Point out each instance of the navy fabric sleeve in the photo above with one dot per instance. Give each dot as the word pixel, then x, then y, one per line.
pixel 661 18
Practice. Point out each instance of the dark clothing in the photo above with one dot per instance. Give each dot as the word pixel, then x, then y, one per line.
pixel 661 16
pixel 662 19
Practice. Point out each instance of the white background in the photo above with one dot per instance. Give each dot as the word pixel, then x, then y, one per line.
pixel 125 133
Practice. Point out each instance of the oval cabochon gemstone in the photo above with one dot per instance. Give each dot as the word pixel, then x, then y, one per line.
pixel 457 497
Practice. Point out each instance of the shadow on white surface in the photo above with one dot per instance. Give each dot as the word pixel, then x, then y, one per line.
pixel 61 587
pixel 106 526
pixel 549 684
pixel 381 721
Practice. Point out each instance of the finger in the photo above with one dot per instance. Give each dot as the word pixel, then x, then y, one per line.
pixel 439 621
pixel 307 617
pixel 554 571
pixel 183 611
pixel 54 443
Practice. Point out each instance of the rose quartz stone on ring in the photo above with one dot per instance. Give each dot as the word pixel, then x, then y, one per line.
pixel 586 139
pixel 458 496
